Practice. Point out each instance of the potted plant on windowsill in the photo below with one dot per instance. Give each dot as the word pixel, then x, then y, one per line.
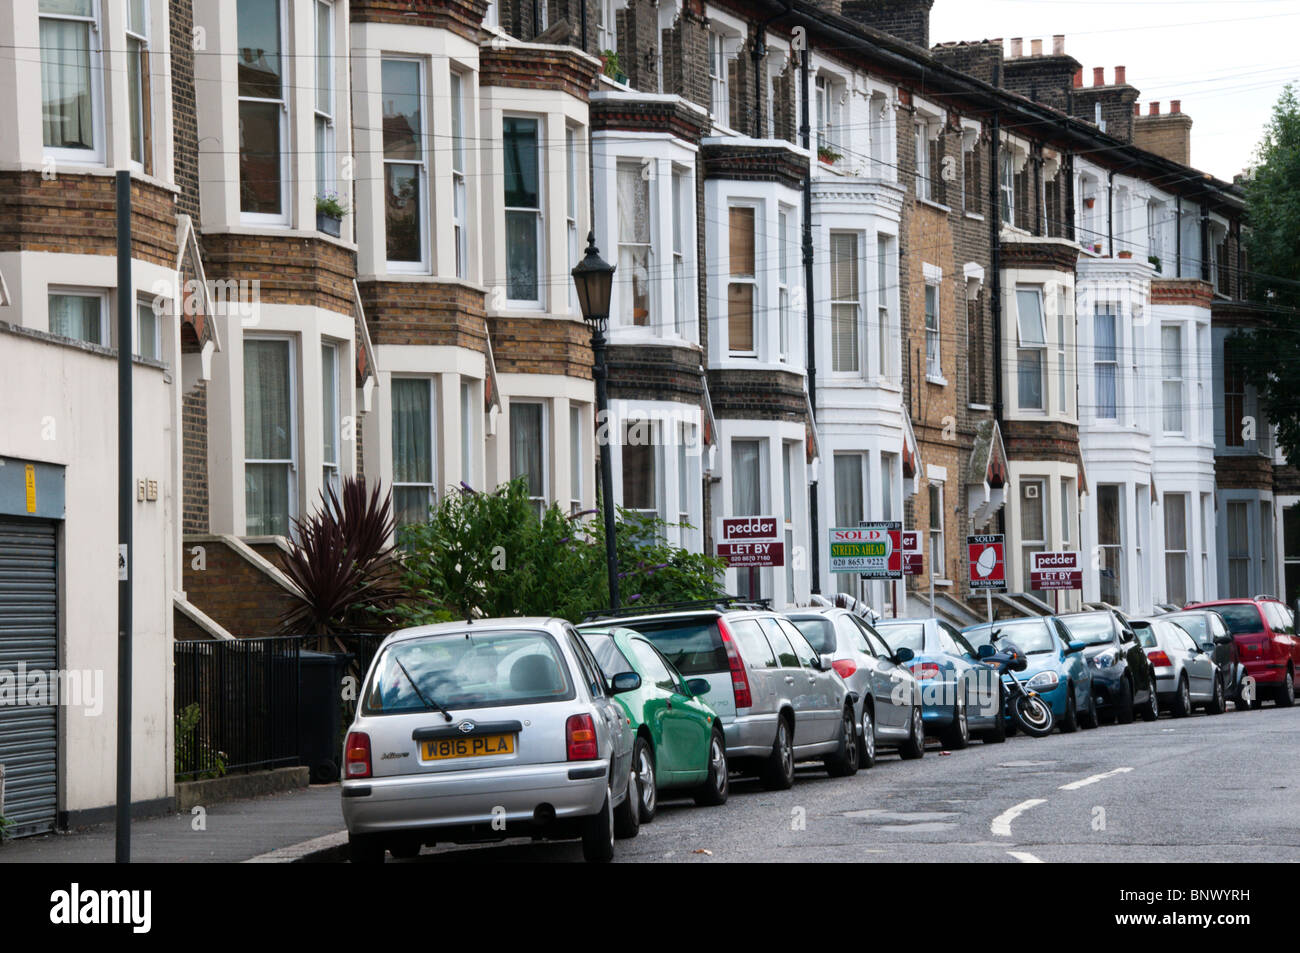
pixel 610 66
pixel 829 156
pixel 329 214
pixel 1126 254
pixel 1154 261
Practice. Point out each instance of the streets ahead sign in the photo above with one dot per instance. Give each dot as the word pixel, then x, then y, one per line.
pixel 986 556
pixel 873 550
pixel 1055 571
pixel 750 542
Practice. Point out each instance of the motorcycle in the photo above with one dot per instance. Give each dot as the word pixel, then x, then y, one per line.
pixel 1027 710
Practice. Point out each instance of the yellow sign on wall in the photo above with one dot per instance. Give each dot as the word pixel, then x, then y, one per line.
pixel 31 488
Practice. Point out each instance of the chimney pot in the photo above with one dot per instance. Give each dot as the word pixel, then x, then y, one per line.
pixel 1119 75
pixel 1078 78
pixel 1153 109
pixel 1037 47
pixel 1099 76
pixel 1137 110
pixel 1175 105
pixel 1058 45
pixel 1017 46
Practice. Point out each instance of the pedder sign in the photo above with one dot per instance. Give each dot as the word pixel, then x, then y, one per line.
pixel 1055 571
pixel 750 542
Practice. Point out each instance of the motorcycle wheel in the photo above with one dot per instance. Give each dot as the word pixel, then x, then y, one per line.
pixel 1033 715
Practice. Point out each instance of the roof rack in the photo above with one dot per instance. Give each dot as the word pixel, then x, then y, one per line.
pixel 721 603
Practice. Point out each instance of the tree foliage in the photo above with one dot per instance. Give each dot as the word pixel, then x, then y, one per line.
pixel 1270 351
pixel 489 554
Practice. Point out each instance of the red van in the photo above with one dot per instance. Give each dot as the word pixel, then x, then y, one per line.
pixel 1267 644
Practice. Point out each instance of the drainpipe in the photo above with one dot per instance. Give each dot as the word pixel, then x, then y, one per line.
pixel 805 134
pixel 1178 239
pixel 583 13
pixel 995 250
pixel 1205 242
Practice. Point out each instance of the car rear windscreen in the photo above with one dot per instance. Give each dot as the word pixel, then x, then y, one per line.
pixel 819 632
pixel 468 670
pixel 903 635
pixel 1195 625
pixel 694 646
pixel 1242 618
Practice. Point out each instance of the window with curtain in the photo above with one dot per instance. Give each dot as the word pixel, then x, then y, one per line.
pixel 1105 362
pixel 1033 526
pixel 746 478
pixel 635 258
pixel 83 317
pixel 412 421
pixel 681 281
pixel 741 287
pixel 147 331
pixel 884 322
pixel 528 450
pixel 887 507
pixel 1031 356
pixel 576 442
pixel 783 283
pixel 846 310
pixel 262 109
pixel 1176 548
pixel 718 79
pixel 1062 309
pixel 137 80
pixel 1110 543
pixel 329 402
pixel 404 164
pixel 1171 384
pixel 324 117
pixel 69 83
pixel 1067 495
pixel 470 411
pixel 459 191
pixel 684 466
pixel 938 548
pixel 641 490
pixel 1238 550
pixel 269 444
pixel 933 347
pixel 523 203
pixel 923 189
pixel 572 159
pixel 850 508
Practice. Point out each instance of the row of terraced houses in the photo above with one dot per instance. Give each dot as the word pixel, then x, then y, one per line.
pixel 972 287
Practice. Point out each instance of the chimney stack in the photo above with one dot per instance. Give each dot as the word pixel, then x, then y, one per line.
pixel 1168 135
pixel 1099 76
pixel 1037 47
pixel 1058 45
pixel 1175 106
pixel 1017 47
pixel 1119 75
pixel 1153 109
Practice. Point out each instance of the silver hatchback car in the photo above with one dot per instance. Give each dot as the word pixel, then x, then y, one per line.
pixel 1186 676
pixel 479 731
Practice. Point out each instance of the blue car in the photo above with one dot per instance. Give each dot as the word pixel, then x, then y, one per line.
pixel 960 695
pixel 1057 669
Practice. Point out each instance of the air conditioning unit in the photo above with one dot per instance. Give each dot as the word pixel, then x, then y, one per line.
pixel 1031 491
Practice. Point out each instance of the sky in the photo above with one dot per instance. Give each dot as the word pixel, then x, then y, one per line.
pixel 1227 60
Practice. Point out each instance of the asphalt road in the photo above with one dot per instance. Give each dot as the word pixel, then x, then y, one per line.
pixel 1222 788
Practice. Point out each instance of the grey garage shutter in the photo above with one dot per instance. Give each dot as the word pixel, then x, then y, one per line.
pixel 28 636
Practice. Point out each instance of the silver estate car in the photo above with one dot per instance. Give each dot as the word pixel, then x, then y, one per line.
pixel 888 706
pixel 1186 676
pixel 478 731
pixel 778 701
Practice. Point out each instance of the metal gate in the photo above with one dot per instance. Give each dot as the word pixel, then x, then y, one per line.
pixel 28 642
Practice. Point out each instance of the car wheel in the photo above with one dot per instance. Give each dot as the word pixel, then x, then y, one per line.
pixel 598 833
pixel 1183 700
pixel 405 849
pixel 627 816
pixel 714 789
pixel 365 849
pixel 1124 706
pixel 778 771
pixel 1070 723
pixel 643 764
pixel 844 762
pixel 1088 718
pixel 1218 704
pixel 867 741
pixel 1285 696
pixel 914 746
pixel 957 735
pixel 1151 710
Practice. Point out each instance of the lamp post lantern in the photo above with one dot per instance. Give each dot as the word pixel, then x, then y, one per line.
pixel 593 277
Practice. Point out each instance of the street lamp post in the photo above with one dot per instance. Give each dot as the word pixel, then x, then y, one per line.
pixel 594 279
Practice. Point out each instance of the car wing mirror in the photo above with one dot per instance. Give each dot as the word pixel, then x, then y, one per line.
pixel 903 656
pixel 1076 646
pixel 698 686
pixel 985 650
pixel 1223 640
pixel 624 682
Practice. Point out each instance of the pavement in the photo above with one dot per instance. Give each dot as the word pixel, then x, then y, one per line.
pixel 293 826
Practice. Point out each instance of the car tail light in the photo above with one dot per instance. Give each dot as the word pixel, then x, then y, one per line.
pixel 580 738
pixel 1159 659
pixel 357 755
pixel 844 666
pixel 739 678
pixel 925 670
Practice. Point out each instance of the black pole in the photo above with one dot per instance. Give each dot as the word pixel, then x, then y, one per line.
pixel 606 467
pixel 125 310
pixel 995 253
pixel 805 133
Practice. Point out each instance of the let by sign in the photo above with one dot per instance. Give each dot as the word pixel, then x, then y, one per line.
pixel 755 555
pixel 912 553
pixel 1055 571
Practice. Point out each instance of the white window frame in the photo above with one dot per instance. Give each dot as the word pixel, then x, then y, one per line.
pixel 686 440
pixel 290 343
pixel 657 468
pixel 783 326
pixel 1007 186
pixel 576 444
pixel 331 469
pixel 544 424
pixel 1121 507
pixel 148 303
pixel 623 283
pixel 924 188
pixel 606 26
pixel 99 294
pixel 751 280
pixel 145 102
pixel 324 118
pixel 1185 552
pixel 424 265
pixel 1179 382
pixel 571 207
pixel 285 215
pixel 1036 544
pixel 95 155
pixel 459 81
pixel 1113 362
pixel 683 298
pixel 432 485
pixel 936 536
pixel 719 93
pixel 854 302
pixel 887 356
pixel 469 416
pixel 933 335
pixel 1040 347
pixel 539 213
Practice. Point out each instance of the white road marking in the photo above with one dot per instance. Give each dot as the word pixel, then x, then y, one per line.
pixel 1075 785
pixel 1002 823
pixel 1023 857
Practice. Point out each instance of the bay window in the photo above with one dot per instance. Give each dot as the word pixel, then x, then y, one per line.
pixel 641 490
pixel 850 508
pixel 846 312
pixel 528 450
pixel 459 193
pixel 635 258
pixel 1238 550
pixel 571 208
pixel 405 165
pixel 270 436
pixel 742 285
pixel 1110 543
pixel 263 105
pixel 1031 357
pixel 681 282
pixel 576 442
pixel 783 241
pixel 884 322
pixel 329 375
pixel 1171 383
pixel 413 442
pixel 747 499
pixel 470 410
pixel 71 90
pixel 137 81
pixel 1105 364
pixel 324 118
pixel 1176 548
pixel 718 94
pixel 523 208
pixel 1033 526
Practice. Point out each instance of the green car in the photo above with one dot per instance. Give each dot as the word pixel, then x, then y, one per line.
pixel 679 740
